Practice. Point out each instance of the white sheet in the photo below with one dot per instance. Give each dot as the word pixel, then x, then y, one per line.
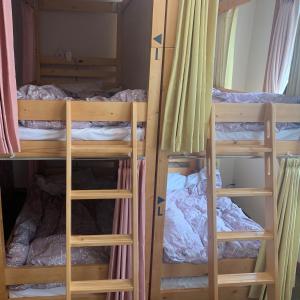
pixel 284 135
pixel 58 291
pixel 120 133
pixel 108 133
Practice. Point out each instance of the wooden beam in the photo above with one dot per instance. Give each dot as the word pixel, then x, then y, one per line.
pixel 80 61
pixel 78 6
pixel 50 274
pixel 47 110
pixel 226 5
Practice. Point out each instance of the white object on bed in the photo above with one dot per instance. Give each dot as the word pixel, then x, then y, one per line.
pixel 284 135
pixel 107 133
pixel 57 291
pixel 185 232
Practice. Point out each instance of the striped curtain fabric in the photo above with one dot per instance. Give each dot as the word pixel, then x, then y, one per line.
pixel 225 45
pixel 281 45
pixel 293 87
pixel 188 102
pixel 288 206
pixel 9 141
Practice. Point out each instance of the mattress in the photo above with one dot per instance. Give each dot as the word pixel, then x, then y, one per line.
pixel 105 133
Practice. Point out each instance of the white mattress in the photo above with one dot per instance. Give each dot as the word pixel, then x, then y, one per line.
pixel 58 291
pixel 285 135
pixel 123 134
pixel 109 133
pixel 184 283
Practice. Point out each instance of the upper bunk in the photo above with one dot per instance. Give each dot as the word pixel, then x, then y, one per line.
pixel 98 76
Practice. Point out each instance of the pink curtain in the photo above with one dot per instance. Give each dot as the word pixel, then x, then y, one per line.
pixel 28 43
pixel 9 142
pixel 281 45
pixel 121 256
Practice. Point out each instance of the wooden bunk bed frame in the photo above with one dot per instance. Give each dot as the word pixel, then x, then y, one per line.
pixel 42 110
pixel 223 113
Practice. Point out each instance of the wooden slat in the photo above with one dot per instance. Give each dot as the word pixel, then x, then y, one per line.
pixel 255 112
pixel 244 236
pixel 78 73
pixel 245 112
pixel 78 5
pixel 49 110
pixel 226 5
pixel 101 286
pixel 100 194
pixel 80 61
pixel 75 297
pixel 244 192
pixel 233 149
pixel 98 151
pixel 56 149
pixel 225 266
pixel 50 274
pixel 245 279
pixel 202 293
pixel 100 240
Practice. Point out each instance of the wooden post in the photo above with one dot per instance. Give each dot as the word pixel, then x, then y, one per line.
pixel 154 99
pixel 3 289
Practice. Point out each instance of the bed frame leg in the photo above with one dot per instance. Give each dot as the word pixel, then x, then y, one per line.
pixel 3 288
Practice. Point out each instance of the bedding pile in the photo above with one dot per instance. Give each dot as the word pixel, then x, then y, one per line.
pixel 186 236
pixel 86 92
pixel 258 97
pixel 38 238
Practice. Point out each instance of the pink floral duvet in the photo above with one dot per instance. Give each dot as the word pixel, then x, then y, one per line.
pixel 185 235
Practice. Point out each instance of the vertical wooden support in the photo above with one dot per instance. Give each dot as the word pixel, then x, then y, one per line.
pixel 3 289
pixel 135 203
pixel 212 212
pixel 37 41
pixel 154 98
pixel 68 199
pixel 271 202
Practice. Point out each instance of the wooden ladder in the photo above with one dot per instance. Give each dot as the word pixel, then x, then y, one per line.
pixel 101 286
pixel 269 235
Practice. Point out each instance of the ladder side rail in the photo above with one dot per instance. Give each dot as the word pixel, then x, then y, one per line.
pixel 135 202
pixel 68 199
pixel 212 212
pixel 271 201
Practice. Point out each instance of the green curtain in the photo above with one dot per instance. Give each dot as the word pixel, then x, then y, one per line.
pixel 225 46
pixel 288 204
pixel 293 87
pixel 188 101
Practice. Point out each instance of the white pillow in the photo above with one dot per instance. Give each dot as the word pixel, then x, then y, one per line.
pixel 176 181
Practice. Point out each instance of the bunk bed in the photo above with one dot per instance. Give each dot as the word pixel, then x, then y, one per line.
pixel 57 70
pixel 241 143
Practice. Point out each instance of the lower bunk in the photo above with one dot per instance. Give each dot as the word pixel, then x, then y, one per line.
pixel 184 268
pixel 36 248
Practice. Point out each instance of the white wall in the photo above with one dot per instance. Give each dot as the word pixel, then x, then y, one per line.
pixel 85 34
pixel 252 42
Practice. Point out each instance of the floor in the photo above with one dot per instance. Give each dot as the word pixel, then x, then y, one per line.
pixel 296 294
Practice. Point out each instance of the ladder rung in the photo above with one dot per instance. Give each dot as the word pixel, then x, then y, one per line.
pixel 244 192
pixel 244 236
pixel 101 286
pixel 100 194
pixel 101 150
pixel 244 279
pixel 242 149
pixel 100 240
